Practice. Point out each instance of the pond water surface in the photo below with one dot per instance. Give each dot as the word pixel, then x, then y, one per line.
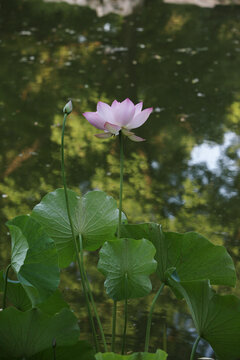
pixel 182 60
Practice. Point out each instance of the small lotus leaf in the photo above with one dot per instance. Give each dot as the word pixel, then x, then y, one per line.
pixel 127 262
pixel 159 355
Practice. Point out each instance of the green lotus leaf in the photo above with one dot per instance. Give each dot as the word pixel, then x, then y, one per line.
pixel 23 334
pixel 192 255
pixel 159 355
pixel 216 317
pixel 53 304
pixel 19 247
pixel 34 258
pixel 16 294
pixel 127 262
pixel 94 216
pixel 79 350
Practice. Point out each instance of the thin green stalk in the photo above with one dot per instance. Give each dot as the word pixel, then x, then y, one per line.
pixel 5 286
pixel 91 297
pixel 125 315
pixel 114 319
pixel 165 336
pixel 121 183
pixel 149 322
pixel 75 240
pixel 194 348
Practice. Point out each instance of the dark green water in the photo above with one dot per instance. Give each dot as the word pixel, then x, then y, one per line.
pixel 182 60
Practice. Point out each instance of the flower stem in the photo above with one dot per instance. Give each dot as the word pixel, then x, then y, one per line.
pixel 91 297
pixel 194 348
pixel 114 318
pixel 5 286
pixel 121 183
pixel 75 240
pixel 149 322
pixel 125 315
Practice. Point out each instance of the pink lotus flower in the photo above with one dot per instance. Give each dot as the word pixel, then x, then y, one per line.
pixel 123 116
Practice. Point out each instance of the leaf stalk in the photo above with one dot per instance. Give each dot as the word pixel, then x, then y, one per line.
pixel 5 286
pixel 149 322
pixel 91 297
pixel 194 348
pixel 125 315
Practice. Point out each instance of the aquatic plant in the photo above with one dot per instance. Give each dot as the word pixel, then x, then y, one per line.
pixel 40 324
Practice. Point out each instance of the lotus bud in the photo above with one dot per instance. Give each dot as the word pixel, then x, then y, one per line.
pixel 68 108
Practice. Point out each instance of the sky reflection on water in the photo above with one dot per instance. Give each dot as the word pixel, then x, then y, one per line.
pixel 212 153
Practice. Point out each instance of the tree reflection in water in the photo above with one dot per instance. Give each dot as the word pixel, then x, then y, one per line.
pixel 183 60
pixel 203 3
pixel 104 7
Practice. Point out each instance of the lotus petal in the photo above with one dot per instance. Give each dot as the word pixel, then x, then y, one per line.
pixel 126 132
pixel 114 129
pixel 105 112
pixel 105 135
pixel 139 119
pixel 123 112
pixel 138 108
pixel 95 119
pixel 136 138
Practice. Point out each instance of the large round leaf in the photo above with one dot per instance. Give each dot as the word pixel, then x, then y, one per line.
pixel 192 255
pixel 54 304
pixel 19 247
pixel 16 294
pixel 159 355
pixel 216 317
pixel 127 262
pixel 23 334
pixel 18 297
pixel 94 216
pixel 34 258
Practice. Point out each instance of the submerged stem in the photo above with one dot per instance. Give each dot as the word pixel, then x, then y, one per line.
pixel 5 286
pixel 114 319
pixel 125 315
pixel 165 337
pixel 194 348
pixel 54 344
pixel 91 297
pixel 149 322
pixel 75 240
